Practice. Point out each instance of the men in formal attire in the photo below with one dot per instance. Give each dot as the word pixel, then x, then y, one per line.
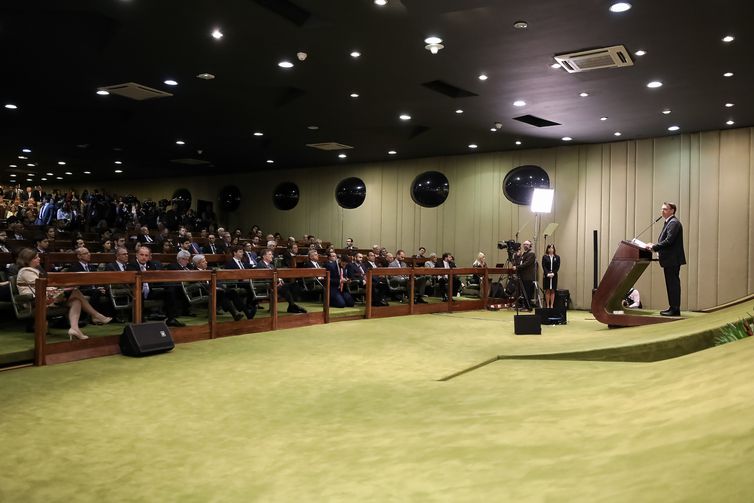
pixel 96 294
pixel 350 247
pixel 289 256
pixel 194 247
pixel 46 212
pixel 121 261
pixel 357 271
pixel 182 263
pixel 669 247
pixel 283 288
pixel 227 299
pixel 448 263
pixel 42 244
pixel 3 242
pixel 212 246
pixel 170 302
pixel 524 263
pixel 420 282
pixel 339 294
pixel 236 262
pixel 249 256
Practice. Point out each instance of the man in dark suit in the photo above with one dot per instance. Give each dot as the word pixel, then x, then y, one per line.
pixel 170 302
pixel 121 261
pixel 96 294
pixel 249 256
pixel 448 263
pixel 236 262
pixel 669 247
pixel 339 294
pixel 380 289
pixel 524 263
pixel 213 247
pixel 284 289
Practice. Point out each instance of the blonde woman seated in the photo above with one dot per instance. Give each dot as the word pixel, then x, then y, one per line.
pixel 28 263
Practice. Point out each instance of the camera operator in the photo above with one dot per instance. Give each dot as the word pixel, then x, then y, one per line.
pixel 524 265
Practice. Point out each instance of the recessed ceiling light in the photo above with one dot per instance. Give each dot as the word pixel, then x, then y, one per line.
pixel 518 142
pixel 103 92
pixel 583 94
pixel 29 179
pixel 270 161
pixel 654 84
pixel 12 165
pixel 520 25
pixel 43 179
pixel 258 133
pixel 728 105
pixel 603 118
pixel 404 117
pixel 380 2
pixel 68 173
pixel 729 38
pixel 494 130
pixel 171 82
pixel 30 174
pixel 566 138
pixel 434 44
pixel 355 54
pixel 342 156
pixel 118 162
pixel 12 174
pixel 26 150
pixel 555 66
pixel 10 106
pixel 730 122
pixel 87 172
pixel 119 171
pixel 312 127
pixel 285 64
pixel 180 142
pixel 674 128
pixel 433 40
pixel 620 7
pixel 459 111
pixel 519 103
pixel 666 111
pixel 640 52
pixel 217 34
pixel 205 76
pixel 58 177
pixel 30 164
pixel 473 145
pixel 482 77
pixel 61 163
pixel 49 174
pixel 354 95
pixel 617 133
pixel 22 157
pixel 728 74
pixel 391 152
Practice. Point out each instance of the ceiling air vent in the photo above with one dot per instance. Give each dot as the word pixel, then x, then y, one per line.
pixel 330 145
pixel 135 91
pixel 442 87
pixel 533 120
pixel 594 59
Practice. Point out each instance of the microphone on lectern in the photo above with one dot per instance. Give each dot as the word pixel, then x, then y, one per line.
pixel 647 227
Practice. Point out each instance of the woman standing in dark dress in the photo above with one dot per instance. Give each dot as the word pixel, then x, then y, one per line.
pixel 550 267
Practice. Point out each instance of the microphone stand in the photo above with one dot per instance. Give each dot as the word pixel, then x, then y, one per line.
pixel 647 227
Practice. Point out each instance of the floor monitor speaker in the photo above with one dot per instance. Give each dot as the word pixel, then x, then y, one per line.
pixel 526 324
pixel 142 339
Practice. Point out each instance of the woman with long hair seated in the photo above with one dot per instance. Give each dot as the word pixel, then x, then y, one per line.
pixel 28 263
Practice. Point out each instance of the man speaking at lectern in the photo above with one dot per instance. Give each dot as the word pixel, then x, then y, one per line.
pixel 669 246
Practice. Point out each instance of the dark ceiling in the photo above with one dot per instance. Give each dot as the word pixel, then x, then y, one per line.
pixel 56 54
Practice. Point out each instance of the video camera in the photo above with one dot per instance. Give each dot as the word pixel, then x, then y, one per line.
pixel 510 245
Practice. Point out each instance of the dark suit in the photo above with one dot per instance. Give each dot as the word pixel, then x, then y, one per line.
pixel 96 297
pixel 339 294
pixel 115 267
pixel 525 268
pixel 380 289
pixel 251 301
pixel 208 250
pixel 284 289
pixel 550 265
pixel 669 247
pixel 167 295
pixel 443 281
pixel 250 260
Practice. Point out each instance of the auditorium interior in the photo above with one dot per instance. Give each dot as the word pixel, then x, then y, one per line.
pixel 191 193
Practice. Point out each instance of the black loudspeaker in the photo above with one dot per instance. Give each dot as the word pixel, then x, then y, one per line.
pixel 142 339
pixel 562 300
pixel 526 324
pixel 551 316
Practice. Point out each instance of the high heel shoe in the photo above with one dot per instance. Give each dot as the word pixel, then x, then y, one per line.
pixel 77 334
pixel 102 320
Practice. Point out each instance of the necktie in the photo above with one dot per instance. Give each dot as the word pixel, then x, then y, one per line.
pixel 122 267
pixel 144 286
pixel 212 249
pixel 340 271
pixel 86 267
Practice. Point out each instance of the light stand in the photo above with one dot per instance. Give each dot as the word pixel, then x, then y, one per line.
pixel 541 202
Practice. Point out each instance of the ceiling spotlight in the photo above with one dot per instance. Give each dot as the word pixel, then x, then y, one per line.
pixel 566 138
pixel 301 56
pixel 730 122
pixel 583 94
pixel 119 171
pixel 49 174
pixel 434 44
pixel 22 157
pixel 404 117
pixel 640 52
pixel 493 130
pixel 58 177
pixel 258 133
pixel 391 152
pixel 518 142
pixel 617 133
pixel 355 54
pixel 498 125
pixel 654 84
pixel 459 111
pixel 728 38
pixel 620 7
pixel 171 82
pixel 380 2
pixel 354 95
pixel 342 156
pixel 520 25
pixel 12 174
pixel 180 142
pixel 205 76
pixel 312 127
pixel 270 161
pixel 87 172
pixel 119 162
pixel 666 111
pixel 10 106
pixel 103 92
pixel 12 165
pixel 674 128
pixel 519 103
pixel 61 163
pixel 473 145
pixel 728 105
pixel 26 150
pixel 43 179
pixel 217 34
pixel 30 164
pixel 285 64
pixel 68 173
pixel 482 77
pixel 555 66
pixel 728 74
pixel 603 118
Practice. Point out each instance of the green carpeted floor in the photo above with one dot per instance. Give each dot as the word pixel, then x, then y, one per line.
pixel 354 411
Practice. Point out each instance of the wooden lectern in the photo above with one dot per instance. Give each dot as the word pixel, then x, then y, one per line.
pixel 628 263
